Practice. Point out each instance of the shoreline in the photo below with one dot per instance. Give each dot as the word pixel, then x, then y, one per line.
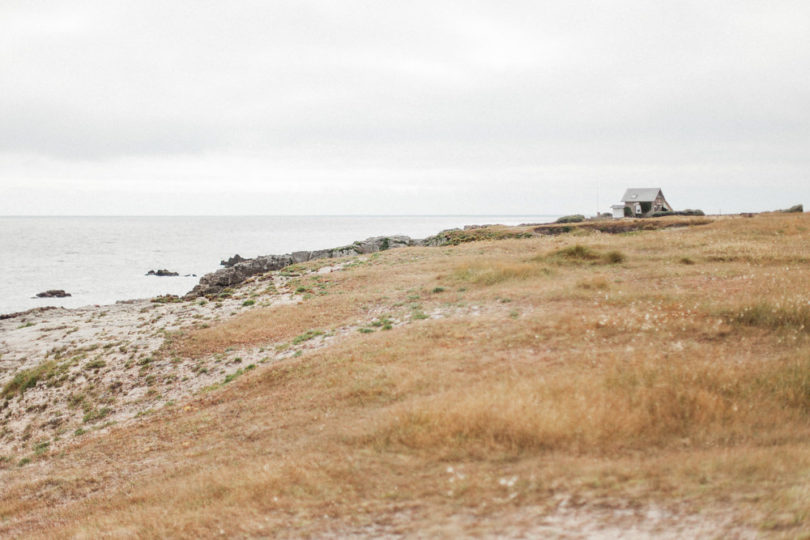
pixel 271 261
pixel 219 278
pixel 116 351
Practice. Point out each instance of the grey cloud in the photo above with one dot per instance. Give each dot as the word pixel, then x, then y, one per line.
pixel 420 85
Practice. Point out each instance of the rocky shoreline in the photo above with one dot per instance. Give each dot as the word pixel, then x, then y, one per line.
pixel 64 372
pixel 238 269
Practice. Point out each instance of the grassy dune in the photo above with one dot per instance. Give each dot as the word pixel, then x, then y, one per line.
pixel 479 386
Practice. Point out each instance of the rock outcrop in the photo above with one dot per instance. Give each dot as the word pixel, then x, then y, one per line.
pixel 162 273
pixel 53 293
pixel 232 261
pixel 215 282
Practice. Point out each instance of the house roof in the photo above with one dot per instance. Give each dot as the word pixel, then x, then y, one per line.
pixel 641 194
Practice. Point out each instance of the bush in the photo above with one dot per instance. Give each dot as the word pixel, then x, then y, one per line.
pixel 574 218
pixel 687 212
pixel 577 254
pixel 799 208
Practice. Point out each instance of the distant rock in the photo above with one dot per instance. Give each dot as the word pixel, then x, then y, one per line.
pixel 53 293
pixel 162 273
pixel 232 261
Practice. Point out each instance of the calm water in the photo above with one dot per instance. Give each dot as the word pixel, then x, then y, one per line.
pixel 103 259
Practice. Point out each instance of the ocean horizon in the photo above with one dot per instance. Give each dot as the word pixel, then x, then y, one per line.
pixel 103 259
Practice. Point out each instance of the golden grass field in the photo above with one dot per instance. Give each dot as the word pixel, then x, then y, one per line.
pixel 604 372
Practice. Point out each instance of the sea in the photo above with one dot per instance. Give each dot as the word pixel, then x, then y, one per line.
pixel 101 260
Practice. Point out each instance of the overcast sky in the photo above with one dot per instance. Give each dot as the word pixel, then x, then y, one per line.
pixel 370 107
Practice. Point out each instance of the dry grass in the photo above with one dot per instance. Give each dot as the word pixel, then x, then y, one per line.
pixel 492 272
pixel 612 385
pixel 617 406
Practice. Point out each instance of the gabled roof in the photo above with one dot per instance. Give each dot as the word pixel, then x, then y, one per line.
pixel 641 194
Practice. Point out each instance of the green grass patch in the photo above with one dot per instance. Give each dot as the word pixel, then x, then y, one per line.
pixel 96 414
pixel 306 336
pixel 23 380
pixel 95 365
pixel 41 448
pixel 232 376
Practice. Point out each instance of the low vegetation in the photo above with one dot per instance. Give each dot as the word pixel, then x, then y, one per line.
pixel 788 314
pixel 490 381
pixel 621 226
pixel 574 218
pixel 583 254
pixel 26 379
pixel 455 237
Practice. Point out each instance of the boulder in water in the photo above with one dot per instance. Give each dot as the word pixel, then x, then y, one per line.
pixel 162 273
pixel 53 293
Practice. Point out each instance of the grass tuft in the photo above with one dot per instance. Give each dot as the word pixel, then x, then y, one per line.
pixel 773 316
